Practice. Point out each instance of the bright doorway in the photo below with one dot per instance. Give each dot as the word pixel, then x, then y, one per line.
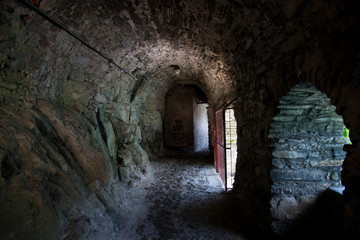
pixel 231 146
pixel 225 147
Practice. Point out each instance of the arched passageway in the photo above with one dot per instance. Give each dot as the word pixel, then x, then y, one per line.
pixel 82 121
pixel 307 140
pixel 186 119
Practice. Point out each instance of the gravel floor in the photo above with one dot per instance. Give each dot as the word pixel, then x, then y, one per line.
pixel 186 201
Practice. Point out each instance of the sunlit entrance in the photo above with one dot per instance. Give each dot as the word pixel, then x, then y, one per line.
pixel 225 147
pixel 231 146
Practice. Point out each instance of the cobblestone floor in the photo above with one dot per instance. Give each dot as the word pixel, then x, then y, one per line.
pixel 187 201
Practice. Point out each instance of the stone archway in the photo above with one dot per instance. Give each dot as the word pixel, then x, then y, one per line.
pixel 186 119
pixel 307 152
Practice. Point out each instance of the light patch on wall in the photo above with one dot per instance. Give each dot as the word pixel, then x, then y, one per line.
pixel 201 127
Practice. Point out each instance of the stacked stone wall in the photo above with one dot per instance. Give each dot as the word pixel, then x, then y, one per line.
pixel 290 43
pixel 256 49
pixel 307 150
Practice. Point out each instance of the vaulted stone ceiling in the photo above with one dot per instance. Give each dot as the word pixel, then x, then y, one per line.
pixel 254 51
pixel 215 43
pixel 148 38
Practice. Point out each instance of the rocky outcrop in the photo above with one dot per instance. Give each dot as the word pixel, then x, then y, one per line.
pixel 58 175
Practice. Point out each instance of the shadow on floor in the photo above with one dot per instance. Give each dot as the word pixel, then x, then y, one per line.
pixel 229 213
pixel 188 206
pixel 323 220
pixel 226 211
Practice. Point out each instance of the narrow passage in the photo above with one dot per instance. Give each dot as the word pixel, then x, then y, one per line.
pixel 187 201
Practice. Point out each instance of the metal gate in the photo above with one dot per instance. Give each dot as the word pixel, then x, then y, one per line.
pixel 225 144
pixel 219 146
pixel 230 146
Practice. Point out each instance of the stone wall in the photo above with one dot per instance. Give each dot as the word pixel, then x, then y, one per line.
pixel 70 134
pixel 307 152
pixel 255 50
pixel 61 176
pixel 304 42
pixel 178 119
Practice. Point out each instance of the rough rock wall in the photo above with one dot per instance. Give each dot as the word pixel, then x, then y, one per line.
pixel 118 119
pixel 70 139
pixel 58 180
pixel 305 41
pixel 258 48
pixel 148 39
pixel 307 151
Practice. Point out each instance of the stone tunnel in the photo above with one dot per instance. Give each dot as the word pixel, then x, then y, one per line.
pixel 86 123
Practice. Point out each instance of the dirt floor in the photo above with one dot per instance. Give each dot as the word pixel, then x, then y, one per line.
pixel 187 201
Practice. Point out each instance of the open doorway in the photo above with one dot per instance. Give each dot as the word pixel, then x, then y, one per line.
pixel 186 120
pixel 231 146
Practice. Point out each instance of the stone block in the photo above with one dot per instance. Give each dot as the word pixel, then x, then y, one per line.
pixel 325 163
pixel 278 163
pixel 295 106
pixel 284 118
pixel 320 120
pixel 340 140
pixel 281 146
pixel 315 154
pixel 339 153
pixel 292 111
pixel 296 163
pixel 297 175
pixel 335 176
pixel 289 154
